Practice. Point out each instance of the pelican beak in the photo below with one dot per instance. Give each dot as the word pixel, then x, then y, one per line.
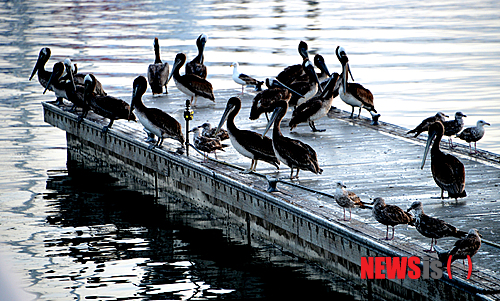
pixel 277 83
pixel 276 112
pixel 35 69
pixel 176 63
pixel 229 108
pixel 349 69
pixel 311 72
pixel 344 76
pixel 427 147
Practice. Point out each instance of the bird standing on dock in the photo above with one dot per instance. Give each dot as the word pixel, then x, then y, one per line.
pixel 196 66
pixel 473 134
pixel 462 248
pixel 205 144
pixel 106 106
pixel 424 125
pixel 295 72
pixel 347 199
pixel 448 172
pixel 390 215
pixel 354 94
pixel 79 78
pixel 316 107
pixel 154 120
pixel 191 84
pixel 210 132
pixel 249 144
pixel 44 76
pixel 453 127
pixel 319 62
pixel 74 93
pixel 432 227
pixel 245 80
pixel 292 152
pixel 158 72
pixel 305 89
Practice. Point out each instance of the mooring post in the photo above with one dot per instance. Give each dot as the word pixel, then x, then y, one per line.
pixel 188 115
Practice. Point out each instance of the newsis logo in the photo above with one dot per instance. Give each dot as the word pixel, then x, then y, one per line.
pixel 402 267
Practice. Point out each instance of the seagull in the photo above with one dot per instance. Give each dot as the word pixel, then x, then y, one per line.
pixel 347 199
pixel 244 80
pixel 453 127
pixel 390 215
pixel 210 132
pixel 205 144
pixel 473 134
pixel 464 247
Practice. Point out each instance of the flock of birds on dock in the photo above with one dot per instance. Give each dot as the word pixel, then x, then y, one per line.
pixel 298 86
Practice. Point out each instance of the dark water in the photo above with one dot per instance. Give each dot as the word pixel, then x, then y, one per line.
pixel 67 238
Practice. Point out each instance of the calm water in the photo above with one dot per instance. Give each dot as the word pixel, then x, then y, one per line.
pixel 417 58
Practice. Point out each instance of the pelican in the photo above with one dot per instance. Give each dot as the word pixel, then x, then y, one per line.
pixel 354 94
pixel 319 62
pixel 462 248
pixel 74 93
pixel 250 144
pixel 295 72
pixel 244 80
pixel 292 152
pixel 432 227
pixel 44 76
pixel 316 107
pixel 79 78
pixel 264 100
pixel 473 134
pixel 154 120
pixel 158 72
pixel 390 215
pixel 448 172
pixel 424 125
pixel 307 88
pixel 205 144
pixel 347 199
pixel 106 106
pixel 191 84
pixel 196 66
pixel 453 127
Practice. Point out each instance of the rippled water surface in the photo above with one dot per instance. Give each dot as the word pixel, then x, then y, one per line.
pixel 68 241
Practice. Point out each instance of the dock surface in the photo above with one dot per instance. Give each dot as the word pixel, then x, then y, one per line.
pixel 373 161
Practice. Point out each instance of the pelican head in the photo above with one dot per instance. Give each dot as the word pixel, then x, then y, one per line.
pixel 180 59
pixel 280 108
pixel 43 57
pixel 435 130
pixel 232 104
pixel 303 50
pixel 319 62
pixel 139 88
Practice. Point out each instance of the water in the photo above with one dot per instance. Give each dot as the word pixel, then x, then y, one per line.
pixel 417 58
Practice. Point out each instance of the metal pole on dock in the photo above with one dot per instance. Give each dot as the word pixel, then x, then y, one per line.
pixel 188 115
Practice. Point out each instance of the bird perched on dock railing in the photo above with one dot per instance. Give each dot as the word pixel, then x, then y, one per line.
pixel 348 199
pixel 432 227
pixel 473 134
pixel 205 144
pixel 390 215
pixel 211 132
pixel 453 127
pixel 424 125
pixel 462 248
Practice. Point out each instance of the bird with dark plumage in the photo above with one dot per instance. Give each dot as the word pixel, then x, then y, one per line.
pixel 205 144
pixel 211 132
pixel 154 120
pixel 295 72
pixel 390 215
pixel 453 127
pixel 264 100
pixel 473 134
pixel 448 172
pixel 462 248
pixel 432 227
pixel 424 125
pixel 158 72
pixel 196 66
pixel 347 199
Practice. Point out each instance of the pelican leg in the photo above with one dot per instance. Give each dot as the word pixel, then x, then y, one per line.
pixel 59 101
pixel 350 213
pixel 107 127
pixel 249 170
pixel 442 194
pixel 160 141
pixel 359 114
pixel 313 127
pixel 352 113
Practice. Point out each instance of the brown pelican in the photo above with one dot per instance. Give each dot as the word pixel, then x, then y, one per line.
pixel 305 89
pixel 264 100
pixel 154 120
pixel 473 134
pixel 196 66
pixel 250 144
pixel 209 132
pixel 319 62
pixel 390 215
pixel 424 125
pixel 464 247
pixel 191 84
pixel 295 72
pixel 448 172
pixel 79 78
pixel 432 227
pixel 74 93
pixel 44 76
pixel 347 199
pixel 453 127
pixel 205 144
pixel 158 72
pixel 354 94
pixel 244 80
pixel 316 107
pixel 292 152
pixel 106 106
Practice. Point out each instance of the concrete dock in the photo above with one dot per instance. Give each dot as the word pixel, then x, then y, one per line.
pixel 373 161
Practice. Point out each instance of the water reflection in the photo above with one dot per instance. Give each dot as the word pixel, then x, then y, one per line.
pixel 120 244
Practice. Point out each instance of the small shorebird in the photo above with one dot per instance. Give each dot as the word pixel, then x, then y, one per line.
pixel 432 227
pixel 245 80
pixel 453 127
pixel 196 66
pixel 424 125
pixel 462 248
pixel 205 144
pixel 473 134
pixel 158 72
pixel 347 199
pixel 390 215
pixel 154 120
pixel 448 172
